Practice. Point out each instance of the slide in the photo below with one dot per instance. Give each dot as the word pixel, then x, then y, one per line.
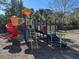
pixel 14 32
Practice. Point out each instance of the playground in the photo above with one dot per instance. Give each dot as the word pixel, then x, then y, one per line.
pixel 29 32
pixel 44 51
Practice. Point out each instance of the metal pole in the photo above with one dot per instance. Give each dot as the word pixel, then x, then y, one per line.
pixel 25 30
pixel 35 28
pixel 55 26
pixel 40 27
pixel 51 31
pixel 47 25
pixel 50 27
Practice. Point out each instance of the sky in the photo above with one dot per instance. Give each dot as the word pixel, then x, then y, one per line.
pixel 44 4
pixel 36 4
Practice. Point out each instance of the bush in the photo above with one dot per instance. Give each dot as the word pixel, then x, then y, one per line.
pixel 3 21
pixel 74 23
pixel 2 28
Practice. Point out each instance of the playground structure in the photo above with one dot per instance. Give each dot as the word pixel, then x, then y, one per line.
pixel 48 36
pixel 39 34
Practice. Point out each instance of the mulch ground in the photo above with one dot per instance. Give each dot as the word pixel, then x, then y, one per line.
pixel 43 51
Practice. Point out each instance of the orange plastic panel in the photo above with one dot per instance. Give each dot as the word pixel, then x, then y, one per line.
pixel 14 20
pixel 27 12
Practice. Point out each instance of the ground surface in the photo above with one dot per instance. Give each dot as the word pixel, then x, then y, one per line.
pixel 44 51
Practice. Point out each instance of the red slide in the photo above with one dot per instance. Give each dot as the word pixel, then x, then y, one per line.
pixel 14 31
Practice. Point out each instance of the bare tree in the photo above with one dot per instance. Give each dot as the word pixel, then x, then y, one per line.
pixel 4 4
pixel 61 7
